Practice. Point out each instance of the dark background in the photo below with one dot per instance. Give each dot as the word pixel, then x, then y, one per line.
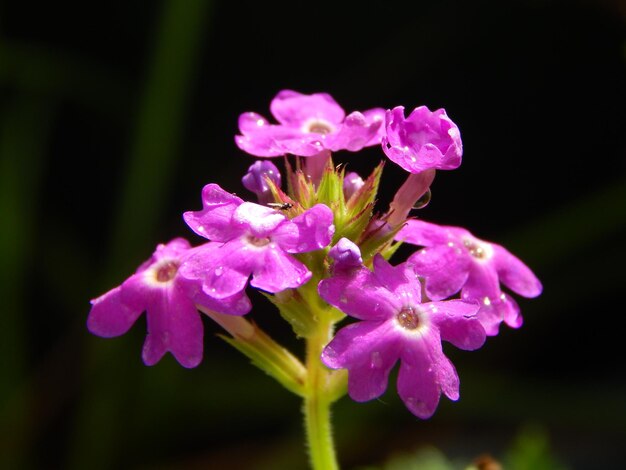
pixel 113 117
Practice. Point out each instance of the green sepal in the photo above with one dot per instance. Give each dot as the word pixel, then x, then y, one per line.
pixel 273 359
pixel 353 229
pixel 366 195
pixel 330 190
pixel 295 311
pixel 389 250
pixel 378 241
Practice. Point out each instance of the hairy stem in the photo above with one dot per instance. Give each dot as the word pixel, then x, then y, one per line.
pixel 317 401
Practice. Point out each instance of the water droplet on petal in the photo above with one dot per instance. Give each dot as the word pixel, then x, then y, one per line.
pixel 218 271
pixel 376 360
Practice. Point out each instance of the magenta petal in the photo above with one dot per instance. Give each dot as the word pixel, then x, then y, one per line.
pixel 292 108
pixel 368 350
pixel 259 145
pixel 309 231
pixel 174 325
pixel 443 267
pixel 514 274
pixel 260 220
pixel 354 134
pixel 511 314
pixel 214 220
pixel 109 316
pixel 228 270
pixel 457 323
pixel 482 283
pixel 237 304
pixel 493 313
pixel 375 116
pixel 420 233
pixel 277 271
pixel 424 373
pixel 359 294
pixel 400 280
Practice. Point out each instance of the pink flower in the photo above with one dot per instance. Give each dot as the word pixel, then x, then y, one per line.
pixel 454 260
pixel 174 324
pixel 255 241
pixel 308 124
pixel 395 325
pixel 426 139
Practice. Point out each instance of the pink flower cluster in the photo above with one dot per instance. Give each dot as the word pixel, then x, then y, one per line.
pixel 451 289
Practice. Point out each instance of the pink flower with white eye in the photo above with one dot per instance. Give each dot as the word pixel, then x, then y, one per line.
pixel 454 260
pixel 395 326
pixel 308 125
pixel 169 300
pixel 425 140
pixel 252 240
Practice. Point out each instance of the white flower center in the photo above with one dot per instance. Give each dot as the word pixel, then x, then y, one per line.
pixel 256 241
pixel 318 126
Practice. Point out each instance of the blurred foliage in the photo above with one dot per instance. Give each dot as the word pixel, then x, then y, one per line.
pixel 111 122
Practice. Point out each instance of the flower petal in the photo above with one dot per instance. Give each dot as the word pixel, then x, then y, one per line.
pixel 260 220
pixel 424 373
pixel 359 294
pixel 373 116
pixel 292 108
pixel 457 323
pixel 109 316
pixel 514 274
pixel 354 134
pixel 214 220
pixel 493 313
pixel 420 233
pixel 368 350
pixel 309 231
pixel 445 269
pixel 400 280
pixel 174 325
pixel 277 271
pixel 482 282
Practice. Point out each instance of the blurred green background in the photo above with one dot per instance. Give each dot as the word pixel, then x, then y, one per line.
pixel 112 118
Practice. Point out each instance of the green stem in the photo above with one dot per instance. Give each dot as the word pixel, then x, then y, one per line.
pixel 317 401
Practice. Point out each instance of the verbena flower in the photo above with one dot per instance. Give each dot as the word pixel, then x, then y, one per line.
pixel 308 124
pixel 169 300
pixel 424 140
pixel 255 179
pixel 453 260
pixel 255 241
pixel 396 325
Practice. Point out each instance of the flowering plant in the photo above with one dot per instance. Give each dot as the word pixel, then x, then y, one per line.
pixel 320 253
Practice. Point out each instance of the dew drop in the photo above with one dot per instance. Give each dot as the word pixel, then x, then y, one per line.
pixel 424 200
pixel 218 271
pixel 376 360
